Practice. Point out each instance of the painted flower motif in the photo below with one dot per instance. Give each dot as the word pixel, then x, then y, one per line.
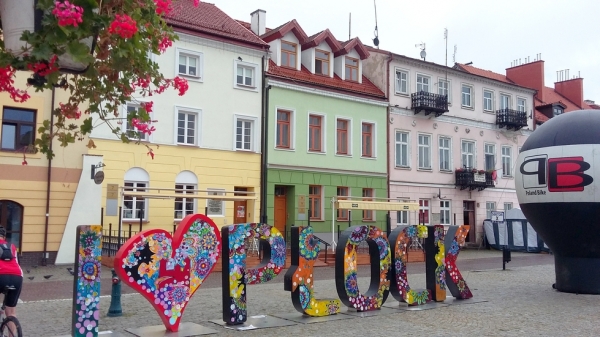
pixel 411 231
pixel 304 296
pixel 208 242
pixel 90 269
pixel 203 267
pixel 453 248
pixel 351 285
pixel 308 245
pixel 383 246
pixel 178 294
pixel 359 234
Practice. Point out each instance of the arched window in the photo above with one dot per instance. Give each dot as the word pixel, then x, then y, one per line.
pixel 11 218
pixel 134 208
pixel 185 183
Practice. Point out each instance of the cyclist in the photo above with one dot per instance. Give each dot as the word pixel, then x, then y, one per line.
pixel 11 274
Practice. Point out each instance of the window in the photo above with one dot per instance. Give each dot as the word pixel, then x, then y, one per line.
pixel 288 54
pixel 468 154
pixel 504 101
pixel 244 135
pixel 488 100
pixel 425 152
pixel 424 211
pixel 186 128
pixel 134 208
pixel 184 206
pixel 367 140
pixel 507 161
pixel 315 136
pixel 189 63
pixel 445 212
pixel 401 82
pixel 18 129
pixel 467 92
pixel 557 110
pixel 314 200
pixel 351 69
pixel 507 207
pixel 367 194
pixel 445 153
pixel 245 76
pixel 130 130
pixel 321 62
pixel 444 88
pixel 402 218
pixel 215 207
pixel 521 104
pixel 423 83
pixel 284 129
pixel 489 207
pixel 342 136
pixel 11 218
pixel 402 149
pixel 342 214
pixel 490 156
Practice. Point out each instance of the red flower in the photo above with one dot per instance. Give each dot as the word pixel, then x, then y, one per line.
pixel 164 43
pixel 44 68
pixel 124 26
pixel 7 75
pixel 180 84
pixel 147 106
pixel 196 3
pixel 70 111
pixel 67 13
pixel 163 6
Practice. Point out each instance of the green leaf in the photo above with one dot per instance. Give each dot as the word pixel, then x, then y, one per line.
pixel 79 51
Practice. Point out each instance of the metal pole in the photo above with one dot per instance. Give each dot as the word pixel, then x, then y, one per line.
pixel 349 218
pixel 141 213
pixel 309 215
pixel 120 224
pixel 388 224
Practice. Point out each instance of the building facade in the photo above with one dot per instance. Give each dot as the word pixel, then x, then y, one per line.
pixel 206 142
pixel 453 139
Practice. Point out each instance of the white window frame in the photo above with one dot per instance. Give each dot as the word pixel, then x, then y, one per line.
pixel 407 144
pixel 464 154
pixel 449 89
pixel 507 161
pixel 323 133
pixel 373 141
pixel 254 146
pixel 491 100
pixel 486 153
pixel 198 133
pixel 471 96
pixel 489 207
pixel 184 201
pixel 502 96
pixel 219 191
pixel 292 129
pixel 424 153
pixel 522 108
pixel 448 149
pixel 135 200
pixel 255 76
pixel 125 125
pixel 402 217
pixel 424 208
pixel 350 133
pixel 396 86
pixel 507 207
pixel 418 83
pixel 190 53
pixel 446 207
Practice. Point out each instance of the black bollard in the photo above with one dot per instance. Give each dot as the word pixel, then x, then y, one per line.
pixel 505 257
pixel 115 297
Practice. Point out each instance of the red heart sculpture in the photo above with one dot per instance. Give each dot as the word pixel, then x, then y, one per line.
pixel 168 270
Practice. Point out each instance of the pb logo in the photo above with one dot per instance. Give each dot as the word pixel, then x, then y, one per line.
pixel 558 174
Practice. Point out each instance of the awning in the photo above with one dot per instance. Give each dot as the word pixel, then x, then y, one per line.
pixel 377 205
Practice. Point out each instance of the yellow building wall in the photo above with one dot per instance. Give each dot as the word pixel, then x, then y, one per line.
pixel 214 169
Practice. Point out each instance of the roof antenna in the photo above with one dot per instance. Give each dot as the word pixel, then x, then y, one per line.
pixel 350 26
pixel 376 39
pixel 454 55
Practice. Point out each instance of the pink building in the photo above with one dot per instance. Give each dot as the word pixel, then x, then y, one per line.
pixel 453 139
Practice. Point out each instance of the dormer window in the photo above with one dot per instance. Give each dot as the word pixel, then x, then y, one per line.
pixel 321 62
pixel 288 54
pixel 556 110
pixel 351 69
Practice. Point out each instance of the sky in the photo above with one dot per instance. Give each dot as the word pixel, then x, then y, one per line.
pixel 491 34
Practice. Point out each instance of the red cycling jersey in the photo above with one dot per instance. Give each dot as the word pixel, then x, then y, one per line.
pixel 11 267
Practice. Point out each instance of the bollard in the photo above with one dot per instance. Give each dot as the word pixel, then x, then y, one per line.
pixel 115 297
pixel 505 257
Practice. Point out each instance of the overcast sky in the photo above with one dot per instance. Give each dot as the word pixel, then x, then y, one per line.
pixel 491 34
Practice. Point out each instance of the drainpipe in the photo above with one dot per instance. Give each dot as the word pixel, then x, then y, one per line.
pixel 44 258
pixel 388 128
pixel 264 144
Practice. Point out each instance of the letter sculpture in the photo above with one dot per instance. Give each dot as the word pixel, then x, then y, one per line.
pixel 86 288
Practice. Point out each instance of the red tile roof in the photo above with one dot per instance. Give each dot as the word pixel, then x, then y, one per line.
pixel 484 73
pixel 304 76
pixel 290 26
pixel 540 117
pixel 316 39
pixel 249 27
pixel 209 19
pixel 354 43
pixel 552 97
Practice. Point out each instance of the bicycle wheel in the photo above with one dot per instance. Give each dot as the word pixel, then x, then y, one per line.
pixel 11 330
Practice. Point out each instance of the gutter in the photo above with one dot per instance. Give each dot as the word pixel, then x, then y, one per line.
pixel 44 256
pixel 389 113
pixel 264 144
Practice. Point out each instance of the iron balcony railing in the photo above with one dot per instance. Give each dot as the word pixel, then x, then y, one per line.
pixel 429 102
pixel 473 180
pixel 511 119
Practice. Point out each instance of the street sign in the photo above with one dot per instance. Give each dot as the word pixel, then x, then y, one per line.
pixel 498 216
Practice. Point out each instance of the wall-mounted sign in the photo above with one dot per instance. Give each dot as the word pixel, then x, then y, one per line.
pixel 480 178
pixel 497 216
pixel 99 177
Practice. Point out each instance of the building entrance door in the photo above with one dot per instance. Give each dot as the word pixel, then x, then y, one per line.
pixel 469 219
pixel 280 209
pixel 240 207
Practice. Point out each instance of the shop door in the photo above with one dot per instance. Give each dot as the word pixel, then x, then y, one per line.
pixel 280 209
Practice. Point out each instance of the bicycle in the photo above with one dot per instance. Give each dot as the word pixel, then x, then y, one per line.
pixel 5 328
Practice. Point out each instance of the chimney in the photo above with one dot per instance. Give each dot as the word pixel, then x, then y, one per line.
pixel 529 75
pixel 571 89
pixel 258 20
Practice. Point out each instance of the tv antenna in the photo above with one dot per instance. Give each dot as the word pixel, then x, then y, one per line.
pixel 423 52
pixel 454 55
pixel 350 26
pixel 376 39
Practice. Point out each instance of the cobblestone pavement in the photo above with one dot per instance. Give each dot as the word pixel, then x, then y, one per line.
pixel 520 302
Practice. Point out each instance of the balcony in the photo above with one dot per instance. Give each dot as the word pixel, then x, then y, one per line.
pixel 511 119
pixel 429 102
pixel 473 179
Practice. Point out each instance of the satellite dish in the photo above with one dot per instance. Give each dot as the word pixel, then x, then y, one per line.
pixel 423 54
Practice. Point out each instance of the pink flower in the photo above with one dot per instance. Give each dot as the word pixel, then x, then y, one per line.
pixel 124 26
pixel 180 84
pixel 147 106
pixel 196 3
pixel 67 13
pixel 164 43
pixel 44 68
pixel 7 75
pixel 142 127
pixel 163 6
